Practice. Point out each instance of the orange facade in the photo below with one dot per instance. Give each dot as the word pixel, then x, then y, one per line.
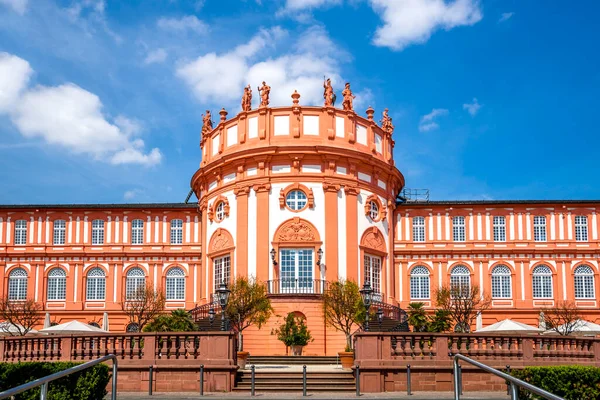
pixel 296 197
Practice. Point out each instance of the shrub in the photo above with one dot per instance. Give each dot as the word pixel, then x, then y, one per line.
pixel 571 382
pixel 294 331
pixel 89 384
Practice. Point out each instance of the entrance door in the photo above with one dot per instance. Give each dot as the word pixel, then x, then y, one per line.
pixel 296 270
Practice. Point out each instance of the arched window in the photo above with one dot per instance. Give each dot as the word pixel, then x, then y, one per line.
pixel 20 232
pixel 96 284
pixel 137 231
pixel 373 210
pixel 460 281
pixel 176 231
pixel 501 282
pixel 175 284
pixel 98 231
pixel 296 200
pixel 57 284
pixel 584 282
pixel 60 227
pixel 133 327
pixel 542 282
pixel 17 284
pixel 135 281
pixel 419 283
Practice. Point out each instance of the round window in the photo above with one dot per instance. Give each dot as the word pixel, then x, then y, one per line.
pixel 220 211
pixel 296 200
pixel 373 210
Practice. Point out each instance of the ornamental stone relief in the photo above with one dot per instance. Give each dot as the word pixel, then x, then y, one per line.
pixel 220 240
pixel 373 239
pixel 297 230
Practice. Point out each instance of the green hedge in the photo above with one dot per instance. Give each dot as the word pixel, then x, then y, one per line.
pixel 572 382
pixel 89 384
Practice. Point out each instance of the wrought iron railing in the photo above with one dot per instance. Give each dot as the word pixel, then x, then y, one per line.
pixel 296 286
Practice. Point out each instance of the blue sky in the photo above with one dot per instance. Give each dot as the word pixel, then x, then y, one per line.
pixel 101 100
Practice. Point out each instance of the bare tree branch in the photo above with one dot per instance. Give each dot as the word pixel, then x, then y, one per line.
pixel 562 318
pixel 145 304
pixel 462 303
pixel 21 316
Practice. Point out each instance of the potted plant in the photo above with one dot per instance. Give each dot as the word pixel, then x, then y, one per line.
pixel 248 305
pixel 294 333
pixel 343 309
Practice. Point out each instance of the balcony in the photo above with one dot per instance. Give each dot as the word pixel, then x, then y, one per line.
pixel 283 287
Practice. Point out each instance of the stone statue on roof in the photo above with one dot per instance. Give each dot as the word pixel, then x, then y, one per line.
pixel 348 98
pixel 264 92
pixel 207 124
pixel 386 122
pixel 247 99
pixel 328 93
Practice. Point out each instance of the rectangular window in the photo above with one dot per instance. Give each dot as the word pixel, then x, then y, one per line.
pixel 176 231
pixel 59 232
pixel 539 228
pixel 98 231
pixel 418 229
pixel 296 266
pixel 499 229
pixel 373 275
pixel 222 270
pixel 137 231
pixel 581 229
pixel 458 229
pixel 20 232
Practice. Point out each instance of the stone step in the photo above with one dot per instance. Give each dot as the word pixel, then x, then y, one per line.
pixel 293 360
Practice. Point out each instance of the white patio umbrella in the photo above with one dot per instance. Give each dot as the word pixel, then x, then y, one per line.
pixel 8 329
pixel 509 326
pixel 72 327
pixel 47 321
pixel 580 327
pixel 105 322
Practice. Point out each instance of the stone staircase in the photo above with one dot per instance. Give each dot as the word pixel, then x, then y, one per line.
pixel 291 381
pixel 292 360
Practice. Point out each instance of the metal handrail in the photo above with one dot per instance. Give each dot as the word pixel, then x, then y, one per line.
pixel 44 381
pixel 514 382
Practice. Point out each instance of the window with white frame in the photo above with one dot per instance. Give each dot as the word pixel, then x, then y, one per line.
pixel 418 229
pixel 373 210
pixel 373 273
pixel 584 282
pixel 222 271
pixel 220 211
pixel 542 282
pixel 460 281
pixel 458 229
pixel 501 282
pixel 581 228
pixel 17 284
pixel 296 270
pixel 175 284
pixel 96 284
pixel 419 283
pixel 135 282
pixel 98 231
pixel 176 231
pixel 499 228
pixel 57 284
pixel 20 232
pixel 296 200
pixel 60 227
pixel 539 228
pixel 137 231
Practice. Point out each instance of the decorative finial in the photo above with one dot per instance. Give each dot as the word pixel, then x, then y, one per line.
pixel 348 98
pixel 223 114
pixel 328 93
pixel 370 113
pixel 247 99
pixel 264 92
pixel 295 97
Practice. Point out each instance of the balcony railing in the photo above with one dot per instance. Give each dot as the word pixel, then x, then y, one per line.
pixel 296 286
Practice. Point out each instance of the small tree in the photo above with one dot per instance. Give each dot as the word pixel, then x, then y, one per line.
pixel 562 318
pixel 248 305
pixel 294 331
pixel 441 321
pixel 145 304
pixel 343 308
pixel 21 316
pixel 417 317
pixel 178 321
pixel 462 303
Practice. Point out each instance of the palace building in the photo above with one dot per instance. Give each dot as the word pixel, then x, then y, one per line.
pixel 296 197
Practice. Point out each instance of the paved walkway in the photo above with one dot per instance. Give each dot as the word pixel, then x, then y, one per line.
pixel 316 396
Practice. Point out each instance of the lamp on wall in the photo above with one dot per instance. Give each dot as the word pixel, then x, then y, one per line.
pixel 273 254
pixel 319 256
pixel 366 293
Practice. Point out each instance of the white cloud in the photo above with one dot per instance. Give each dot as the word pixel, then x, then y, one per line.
pixel 70 117
pixel 19 6
pixel 131 194
pixel 156 56
pixel 14 76
pixel 189 22
pixel 428 122
pixel 506 16
pixel 296 5
pixel 219 78
pixel 407 22
pixel 472 108
pixel 89 14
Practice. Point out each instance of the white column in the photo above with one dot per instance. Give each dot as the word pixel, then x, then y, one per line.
pixel 108 230
pixel 1 230
pixel 407 228
pixel 8 229
pixel 564 280
pixel 512 226
pixel 430 226
pixel 187 229
pixel 528 224
pixel 594 227
pixel 552 226
pixel 75 283
pixel 439 227
pixel 47 240
pixel 400 282
pixel 70 231
pixel 487 226
pixel 125 230
pixel 447 230
pixel 196 228
pixel 569 227
pixel 561 226
pixel 522 281
pixel 520 222
pixel 86 227
pixel 77 237
pixel 165 227
pixel 148 228
pixel 399 223
pixel 471 227
pixel 37 282
pixel 31 228
pixel 117 231
pixel 156 228
pixel 39 230
pixel 479 227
